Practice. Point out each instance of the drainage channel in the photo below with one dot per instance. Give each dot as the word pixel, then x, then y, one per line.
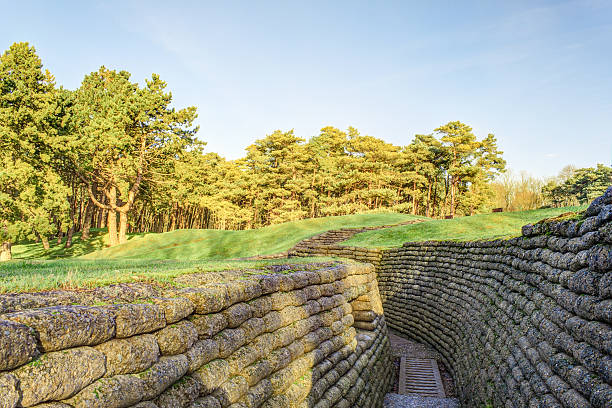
pixel 421 383
pixel 420 376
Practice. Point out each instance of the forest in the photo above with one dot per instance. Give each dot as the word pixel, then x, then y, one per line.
pixel 116 154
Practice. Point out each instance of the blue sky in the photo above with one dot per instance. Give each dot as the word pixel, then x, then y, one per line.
pixel 537 74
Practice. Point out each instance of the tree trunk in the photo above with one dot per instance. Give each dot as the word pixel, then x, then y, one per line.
pixel 123 225
pixel 434 205
pixel 173 216
pixel 60 235
pixel 428 199
pixel 70 231
pixel 81 213
pixel 452 205
pixel 104 218
pixel 5 252
pixel 102 213
pixel 69 235
pixel 112 228
pixel 87 220
pixel 101 216
pixel 112 218
pixel 45 243
pixel 141 220
pixel 414 198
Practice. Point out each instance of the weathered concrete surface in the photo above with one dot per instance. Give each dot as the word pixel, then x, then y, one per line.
pixel 61 327
pixel 115 392
pixel 59 374
pixel 276 337
pixel 176 338
pixel 134 354
pixel 17 344
pixel 9 391
pixel 132 319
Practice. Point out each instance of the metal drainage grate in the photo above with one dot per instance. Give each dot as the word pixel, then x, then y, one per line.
pixel 420 376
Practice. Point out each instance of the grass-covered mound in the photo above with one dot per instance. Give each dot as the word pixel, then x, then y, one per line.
pixel 36 275
pixel 208 244
pixel 477 227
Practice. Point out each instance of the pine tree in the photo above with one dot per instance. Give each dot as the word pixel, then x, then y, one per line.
pixel 124 135
pixel 31 191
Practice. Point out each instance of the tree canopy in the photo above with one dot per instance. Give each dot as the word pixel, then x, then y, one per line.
pixel 116 154
pixel 578 186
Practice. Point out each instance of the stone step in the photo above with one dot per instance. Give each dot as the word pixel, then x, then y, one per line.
pixel 334 237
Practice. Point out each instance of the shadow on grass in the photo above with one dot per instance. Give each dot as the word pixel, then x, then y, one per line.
pixel 97 242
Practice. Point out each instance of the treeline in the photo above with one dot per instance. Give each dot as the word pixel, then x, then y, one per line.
pixel 571 187
pixel 116 154
pixel 575 186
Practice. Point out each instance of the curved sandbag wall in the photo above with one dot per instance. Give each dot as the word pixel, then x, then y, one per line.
pixel 524 322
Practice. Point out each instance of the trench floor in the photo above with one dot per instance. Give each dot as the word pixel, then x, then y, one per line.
pixel 409 349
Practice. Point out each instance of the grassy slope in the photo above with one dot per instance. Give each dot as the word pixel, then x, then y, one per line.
pixel 36 275
pixel 482 226
pixel 207 244
pixel 217 244
pixel 155 257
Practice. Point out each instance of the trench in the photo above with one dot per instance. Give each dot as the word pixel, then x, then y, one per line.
pixel 519 322
pixel 522 322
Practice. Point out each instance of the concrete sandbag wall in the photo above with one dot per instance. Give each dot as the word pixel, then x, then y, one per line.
pixel 524 322
pixel 366 255
pixel 310 338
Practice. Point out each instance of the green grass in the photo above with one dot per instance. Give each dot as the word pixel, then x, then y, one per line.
pixel 33 250
pixel 477 227
pixel 206 244
pixel 218 244
pixel 37 275
pixel 161 257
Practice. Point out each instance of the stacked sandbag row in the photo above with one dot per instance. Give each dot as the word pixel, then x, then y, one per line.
pixel 372 361
pixel 366 255
pixel 330 237
pixel 525 322
pixel 367 308
pixel 275 340
pixel 326 244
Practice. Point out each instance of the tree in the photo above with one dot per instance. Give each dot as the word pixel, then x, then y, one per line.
pixel 124 135
pixel 116 154
pixel 517 192
pixel 472 164
pixel 578 186
pixel 13 226
pixel 417 164
pixel 370 164
pixel 37 199
pixel 277 163
pixel 461 144
pixel 31 189
pixel 434 158
pixel 489 164
pixel 329 156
